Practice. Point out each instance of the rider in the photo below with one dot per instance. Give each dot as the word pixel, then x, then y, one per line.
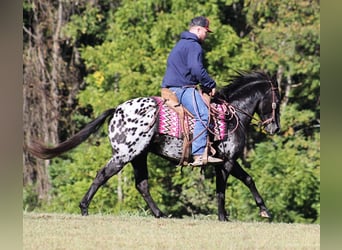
pixel 184 71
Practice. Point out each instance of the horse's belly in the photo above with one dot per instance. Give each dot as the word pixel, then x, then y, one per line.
pixel 167 146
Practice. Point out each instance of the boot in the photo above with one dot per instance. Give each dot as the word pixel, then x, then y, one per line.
pixel 198 160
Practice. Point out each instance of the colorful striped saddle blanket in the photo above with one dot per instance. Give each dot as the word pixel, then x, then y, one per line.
pixel 169 121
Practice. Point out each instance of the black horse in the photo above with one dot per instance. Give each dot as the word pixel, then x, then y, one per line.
pixel 133 134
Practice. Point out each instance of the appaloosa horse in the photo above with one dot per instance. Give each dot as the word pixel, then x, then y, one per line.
pixel 133 133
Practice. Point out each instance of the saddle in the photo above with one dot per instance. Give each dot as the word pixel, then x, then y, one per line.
pixel 176 121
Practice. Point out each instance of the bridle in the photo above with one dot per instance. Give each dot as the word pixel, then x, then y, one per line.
pixel 274 107
pixel 262 123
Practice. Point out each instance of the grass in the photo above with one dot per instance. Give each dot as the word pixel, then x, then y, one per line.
pixel 60 231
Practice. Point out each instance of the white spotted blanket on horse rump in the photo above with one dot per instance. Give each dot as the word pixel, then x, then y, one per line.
pixel 169 122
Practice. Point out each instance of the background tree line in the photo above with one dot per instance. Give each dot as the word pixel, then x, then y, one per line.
pixel 82 57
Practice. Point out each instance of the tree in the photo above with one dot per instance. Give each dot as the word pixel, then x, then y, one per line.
pixel 52 77
pixel 288 35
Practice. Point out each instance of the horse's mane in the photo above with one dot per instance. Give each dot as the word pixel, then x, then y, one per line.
pixel 241 81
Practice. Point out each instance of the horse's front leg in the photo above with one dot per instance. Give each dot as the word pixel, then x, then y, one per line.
pixel 221 184
pixel 243 176
pixel 141 183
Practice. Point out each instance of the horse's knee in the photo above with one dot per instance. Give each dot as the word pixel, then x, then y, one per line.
pixel 220 196
pixel 107 172
pixel 249 181
pixel 142 186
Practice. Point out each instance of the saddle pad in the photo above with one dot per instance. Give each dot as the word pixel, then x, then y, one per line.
pixel 169 121
pixel 218 121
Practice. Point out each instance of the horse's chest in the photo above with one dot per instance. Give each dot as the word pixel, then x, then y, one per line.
pixel 232 147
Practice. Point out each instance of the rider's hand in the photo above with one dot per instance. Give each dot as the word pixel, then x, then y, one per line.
pixel 212 92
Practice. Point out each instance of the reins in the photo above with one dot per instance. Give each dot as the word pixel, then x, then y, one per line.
pixel 231 112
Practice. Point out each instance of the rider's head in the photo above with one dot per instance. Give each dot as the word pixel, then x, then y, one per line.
pixel 200 26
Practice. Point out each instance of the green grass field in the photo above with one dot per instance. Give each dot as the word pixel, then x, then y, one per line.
pixel 60 231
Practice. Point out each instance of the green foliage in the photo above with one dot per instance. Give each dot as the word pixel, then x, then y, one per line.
pixel 124 46
pixel 30 198
pixel 288 35
pixel 73 178
pixel 229 53
pixel 193 192
pixel 86 24
pixel 131 61
pixel 286 172
pixel 293 117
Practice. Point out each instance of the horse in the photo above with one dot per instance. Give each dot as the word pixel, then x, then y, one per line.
pixel 133 134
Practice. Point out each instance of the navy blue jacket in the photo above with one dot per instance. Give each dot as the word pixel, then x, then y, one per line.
pixel 184 64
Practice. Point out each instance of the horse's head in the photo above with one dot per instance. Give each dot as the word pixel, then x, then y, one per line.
pixel 251 92
pixel 268 108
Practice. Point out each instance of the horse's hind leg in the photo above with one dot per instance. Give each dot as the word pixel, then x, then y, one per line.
pixel 243 176
pixel 101 178
pixel 141 183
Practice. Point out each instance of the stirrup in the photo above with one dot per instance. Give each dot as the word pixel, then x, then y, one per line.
pixel 198 161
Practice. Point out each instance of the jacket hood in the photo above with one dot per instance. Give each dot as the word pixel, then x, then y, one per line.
pixel 189 36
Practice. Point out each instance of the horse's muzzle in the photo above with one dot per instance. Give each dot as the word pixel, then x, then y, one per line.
pixel 272 128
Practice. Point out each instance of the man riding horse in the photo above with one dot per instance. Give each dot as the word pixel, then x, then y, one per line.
pixel 133 128
pixel 184 71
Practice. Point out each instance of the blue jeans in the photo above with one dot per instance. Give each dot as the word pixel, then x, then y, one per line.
pixel 191 99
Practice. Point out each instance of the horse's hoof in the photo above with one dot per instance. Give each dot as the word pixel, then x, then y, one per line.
pixel 223 218
pixel 84 210
pixel 160 215
pixel 265 214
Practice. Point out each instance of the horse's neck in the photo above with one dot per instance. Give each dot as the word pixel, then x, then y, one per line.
pixel 245 109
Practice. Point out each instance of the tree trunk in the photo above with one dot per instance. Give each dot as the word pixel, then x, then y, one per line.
pixel 46 77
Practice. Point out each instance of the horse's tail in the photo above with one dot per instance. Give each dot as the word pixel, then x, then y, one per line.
pixel 39 150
